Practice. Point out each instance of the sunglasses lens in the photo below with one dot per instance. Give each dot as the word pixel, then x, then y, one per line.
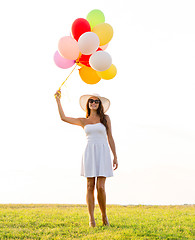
pixel 92 100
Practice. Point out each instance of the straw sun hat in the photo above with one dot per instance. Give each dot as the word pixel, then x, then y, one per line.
pixel 84 98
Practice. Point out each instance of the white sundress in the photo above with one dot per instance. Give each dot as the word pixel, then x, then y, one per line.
pixel 96 159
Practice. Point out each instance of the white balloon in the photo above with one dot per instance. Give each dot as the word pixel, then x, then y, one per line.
pixel 100 61
pixel 88 43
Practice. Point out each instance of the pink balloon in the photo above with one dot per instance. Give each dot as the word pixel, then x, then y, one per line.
pixel 68 48
pixel 103 47
pixel 62 62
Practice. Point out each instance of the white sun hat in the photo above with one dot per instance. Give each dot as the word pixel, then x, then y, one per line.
pixel 84 98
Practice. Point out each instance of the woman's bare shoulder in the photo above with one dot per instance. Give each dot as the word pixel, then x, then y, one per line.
pixel 107 117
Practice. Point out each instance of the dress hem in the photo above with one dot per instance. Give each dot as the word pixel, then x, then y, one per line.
pixel 97 176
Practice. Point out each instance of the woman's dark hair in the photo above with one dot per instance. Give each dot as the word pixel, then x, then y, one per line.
pixel 100 112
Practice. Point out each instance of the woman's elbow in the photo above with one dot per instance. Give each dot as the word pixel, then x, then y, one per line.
pixel 63 119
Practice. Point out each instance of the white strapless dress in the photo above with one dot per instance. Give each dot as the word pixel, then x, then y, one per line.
pixel 96 159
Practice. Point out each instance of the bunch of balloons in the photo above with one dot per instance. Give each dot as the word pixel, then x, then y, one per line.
pixel 85 47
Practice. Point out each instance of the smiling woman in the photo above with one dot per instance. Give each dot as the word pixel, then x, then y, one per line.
pixel 96 160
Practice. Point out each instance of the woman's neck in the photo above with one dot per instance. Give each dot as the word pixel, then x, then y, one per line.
pixel 93 114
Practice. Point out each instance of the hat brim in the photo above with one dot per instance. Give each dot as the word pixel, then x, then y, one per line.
pixel 84 98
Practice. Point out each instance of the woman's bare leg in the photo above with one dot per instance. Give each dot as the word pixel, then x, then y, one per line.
pixel 91 200
pixel 101 196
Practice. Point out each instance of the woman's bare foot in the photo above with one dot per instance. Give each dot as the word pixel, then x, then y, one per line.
pixel 92 223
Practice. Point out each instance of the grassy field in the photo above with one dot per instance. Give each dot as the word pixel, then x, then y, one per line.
pixel 58 221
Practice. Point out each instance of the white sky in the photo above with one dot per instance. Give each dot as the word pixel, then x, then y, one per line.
pixel 152 103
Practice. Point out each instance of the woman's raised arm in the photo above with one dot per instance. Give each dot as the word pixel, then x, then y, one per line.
pixel 75 121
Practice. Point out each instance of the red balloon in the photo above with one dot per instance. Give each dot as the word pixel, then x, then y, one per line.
pixel 84 59
pixel 80 26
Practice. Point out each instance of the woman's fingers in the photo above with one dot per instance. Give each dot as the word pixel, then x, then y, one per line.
pixel 58 94
pixel 115 165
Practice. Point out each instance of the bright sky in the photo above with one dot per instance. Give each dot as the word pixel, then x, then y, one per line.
pixel 152 102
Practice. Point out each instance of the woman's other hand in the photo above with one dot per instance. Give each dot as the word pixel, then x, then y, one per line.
pixel 115 163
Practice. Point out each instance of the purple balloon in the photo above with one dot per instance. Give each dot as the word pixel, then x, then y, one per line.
pixel 63 62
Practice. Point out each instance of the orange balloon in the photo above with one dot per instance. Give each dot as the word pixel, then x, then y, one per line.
pixel 89 75
pixel 79 55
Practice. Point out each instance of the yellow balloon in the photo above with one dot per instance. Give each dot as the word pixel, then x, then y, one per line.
pixel 104 32
pixel 109 73
pixel 89 75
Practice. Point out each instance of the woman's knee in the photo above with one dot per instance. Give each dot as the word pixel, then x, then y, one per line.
pixel 90 184
pixel 100 188
pixel 101 185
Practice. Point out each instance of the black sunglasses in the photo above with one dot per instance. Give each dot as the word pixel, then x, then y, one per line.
pixel 95 101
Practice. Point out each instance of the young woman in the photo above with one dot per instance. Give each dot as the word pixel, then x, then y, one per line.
pixel 96 160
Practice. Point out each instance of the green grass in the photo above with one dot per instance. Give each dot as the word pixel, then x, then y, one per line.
pixel 58 221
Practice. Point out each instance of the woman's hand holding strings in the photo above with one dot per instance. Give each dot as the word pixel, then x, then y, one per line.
pixel 58 94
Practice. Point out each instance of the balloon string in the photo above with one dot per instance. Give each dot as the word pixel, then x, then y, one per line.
pixel 68 77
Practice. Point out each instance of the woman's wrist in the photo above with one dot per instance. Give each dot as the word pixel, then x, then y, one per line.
pixel 57 99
